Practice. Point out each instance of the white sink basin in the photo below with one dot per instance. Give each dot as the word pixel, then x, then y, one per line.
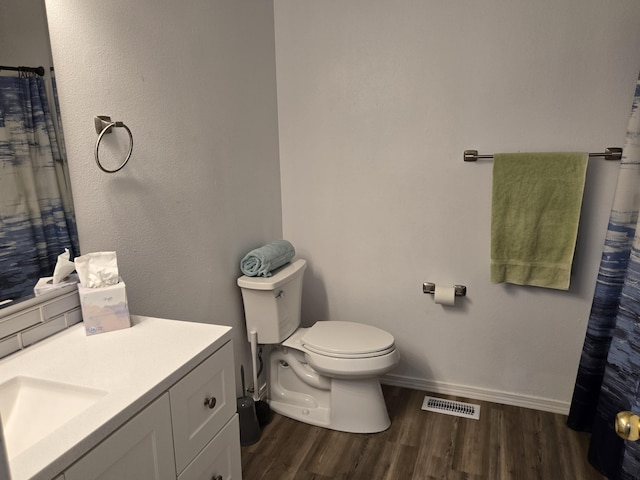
pixel 32 408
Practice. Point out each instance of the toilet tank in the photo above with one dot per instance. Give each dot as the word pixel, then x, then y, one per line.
pixel 272 304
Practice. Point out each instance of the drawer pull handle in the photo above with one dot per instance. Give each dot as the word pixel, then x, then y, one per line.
pixel 217 477
pixel 210 402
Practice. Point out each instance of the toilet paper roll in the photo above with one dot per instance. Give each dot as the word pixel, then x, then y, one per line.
pixel 445 295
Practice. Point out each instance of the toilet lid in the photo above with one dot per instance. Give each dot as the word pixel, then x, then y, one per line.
pixel 345 339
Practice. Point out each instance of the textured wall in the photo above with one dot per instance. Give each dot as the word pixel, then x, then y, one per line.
pixel 195 82
pixel 377 101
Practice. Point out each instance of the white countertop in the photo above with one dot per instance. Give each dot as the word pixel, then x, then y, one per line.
pixel 133 365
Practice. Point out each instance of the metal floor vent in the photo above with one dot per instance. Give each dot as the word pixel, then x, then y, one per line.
pixel 451 407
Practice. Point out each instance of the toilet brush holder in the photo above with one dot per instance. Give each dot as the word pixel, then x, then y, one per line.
pixel 249 427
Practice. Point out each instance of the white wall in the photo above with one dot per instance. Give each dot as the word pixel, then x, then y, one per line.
pixel 195 82
pixel 377 101
pixel 24 39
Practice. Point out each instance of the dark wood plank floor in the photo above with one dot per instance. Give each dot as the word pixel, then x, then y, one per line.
pixel 506 443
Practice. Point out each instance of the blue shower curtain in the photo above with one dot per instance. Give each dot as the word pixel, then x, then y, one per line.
pixel 37 221
pixel 608 379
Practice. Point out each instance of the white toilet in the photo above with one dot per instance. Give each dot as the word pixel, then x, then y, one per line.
pixel 327 374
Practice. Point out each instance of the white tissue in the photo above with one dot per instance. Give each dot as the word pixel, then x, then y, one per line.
pixel 63 267
pixel 98 269
pixel 445 295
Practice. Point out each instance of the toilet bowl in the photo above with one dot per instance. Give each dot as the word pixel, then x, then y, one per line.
pixel 327 374
pixel 329 385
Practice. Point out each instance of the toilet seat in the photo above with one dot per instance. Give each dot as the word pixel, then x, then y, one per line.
pixel 346 340
pixel 345 349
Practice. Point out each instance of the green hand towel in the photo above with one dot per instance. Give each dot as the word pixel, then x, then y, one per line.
pixel 536 203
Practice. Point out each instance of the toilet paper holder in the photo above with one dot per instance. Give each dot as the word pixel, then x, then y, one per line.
pixel 427 287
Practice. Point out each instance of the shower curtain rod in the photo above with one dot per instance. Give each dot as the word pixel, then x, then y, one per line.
pixel 611 153
pixel 36 70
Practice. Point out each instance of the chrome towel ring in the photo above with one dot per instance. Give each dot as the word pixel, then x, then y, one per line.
pixel 103 126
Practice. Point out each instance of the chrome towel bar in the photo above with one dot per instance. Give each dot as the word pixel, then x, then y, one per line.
pixel 610 153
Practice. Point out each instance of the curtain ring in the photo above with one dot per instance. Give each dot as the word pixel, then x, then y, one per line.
pixel 107 129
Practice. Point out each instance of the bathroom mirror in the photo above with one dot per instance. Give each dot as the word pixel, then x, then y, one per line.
pixel 24 41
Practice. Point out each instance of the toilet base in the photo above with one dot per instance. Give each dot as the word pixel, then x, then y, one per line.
pixel 353 405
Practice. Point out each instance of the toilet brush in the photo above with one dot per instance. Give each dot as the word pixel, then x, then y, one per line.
pixel 263 410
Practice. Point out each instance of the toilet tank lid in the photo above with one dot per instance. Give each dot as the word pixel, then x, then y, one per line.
pixel 280 276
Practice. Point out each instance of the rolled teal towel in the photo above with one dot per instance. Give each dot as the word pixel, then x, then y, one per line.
pixel 264 260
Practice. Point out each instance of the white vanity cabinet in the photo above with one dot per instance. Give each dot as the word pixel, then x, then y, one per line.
pixel 190 432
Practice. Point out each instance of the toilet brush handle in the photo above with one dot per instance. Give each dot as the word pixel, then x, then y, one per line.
pixel 253 336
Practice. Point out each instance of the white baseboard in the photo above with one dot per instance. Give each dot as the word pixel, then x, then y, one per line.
pixel 495 396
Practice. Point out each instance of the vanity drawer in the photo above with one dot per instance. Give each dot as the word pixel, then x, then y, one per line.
pixel 220 459
pixel 201 404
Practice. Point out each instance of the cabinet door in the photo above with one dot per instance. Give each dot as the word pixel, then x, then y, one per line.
pixel 202 403
pixel 142 449
pixel 220 459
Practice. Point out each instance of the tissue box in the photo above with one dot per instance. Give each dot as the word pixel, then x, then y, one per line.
pixel 45 284
pixel 104 309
